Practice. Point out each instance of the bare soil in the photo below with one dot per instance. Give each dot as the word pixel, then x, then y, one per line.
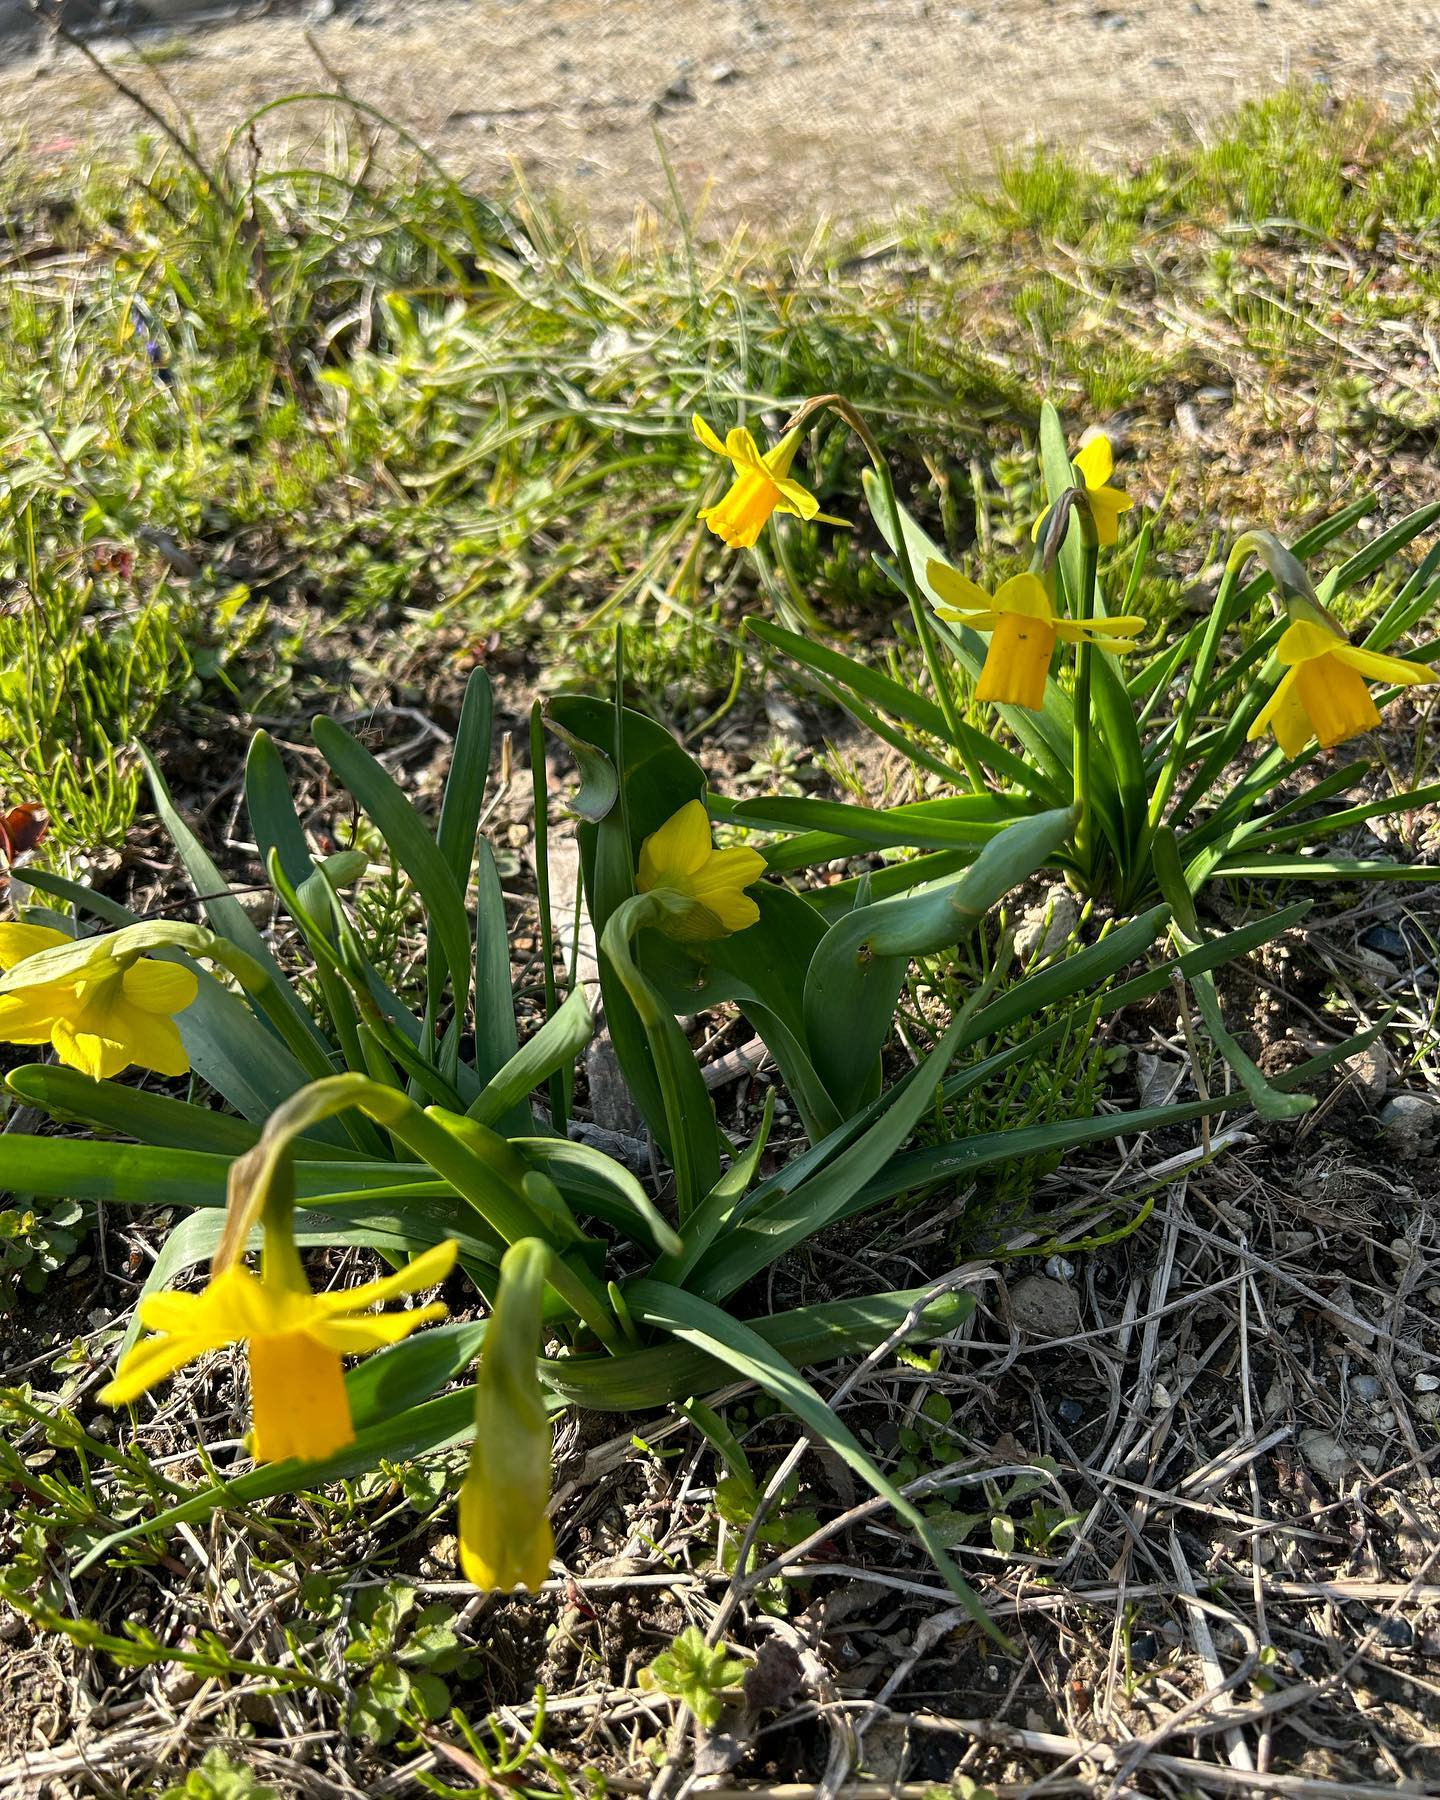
pixel 776 113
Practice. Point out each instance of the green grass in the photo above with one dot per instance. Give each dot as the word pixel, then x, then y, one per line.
pixel 263 442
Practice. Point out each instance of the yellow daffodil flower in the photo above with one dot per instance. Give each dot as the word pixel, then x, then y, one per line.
pixel 1095 464
pixel 99 1015
pixel 1024 627
pixel 1323 693
pixel 505 1535
pixel 296 1339
pixel 762 486
pixel 706 884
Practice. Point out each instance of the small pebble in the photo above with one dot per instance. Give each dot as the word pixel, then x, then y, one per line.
pixel 1364 1387
pixel 1144 1648
pixel 1070 1412
pixel 1427 1384
pixel 1393 1632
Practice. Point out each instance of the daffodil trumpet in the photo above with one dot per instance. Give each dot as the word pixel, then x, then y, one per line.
pixel 1322 694
pixel 1023 626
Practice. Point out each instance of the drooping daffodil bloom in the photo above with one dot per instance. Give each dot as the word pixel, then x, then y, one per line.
pixel 295 1339
pixel 1023 627
pixel 505 1536
pixel 99 1013
pixel 1094 463
pixel 762 486
pixel 1322 693
pixel 704 888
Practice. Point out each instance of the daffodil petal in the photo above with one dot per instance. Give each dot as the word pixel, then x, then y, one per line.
pixel 1095 462
pixel 90 1052
pixel 706 435
pixel 1025 596
pixel 1393 670
pixel 19 941
pixel 149 1040
pixel 358 1336
pixel 795 499
pixel 678 849
pixel 427 1270
pixel 1101 631
pixel 743 451
pixel 148 1364
pixel 159 987
pixel 1304 639
pixel 1284 714
pixel 955 589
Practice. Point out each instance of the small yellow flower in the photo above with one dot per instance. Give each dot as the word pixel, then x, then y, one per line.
pixel 707 884
pixel 98 1015
pixel 762 486
pixel 1024 627
pixel 505 1535
pixel 296 1339
pixel 1095 464
pixel 1323 693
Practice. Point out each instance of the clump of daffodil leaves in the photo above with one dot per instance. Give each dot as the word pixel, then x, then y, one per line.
pixel 527 1271
pixel 1053 690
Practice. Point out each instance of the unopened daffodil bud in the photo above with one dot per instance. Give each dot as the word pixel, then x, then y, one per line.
pixel 505 1536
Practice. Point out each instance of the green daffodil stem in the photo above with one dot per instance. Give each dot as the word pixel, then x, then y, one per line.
pixel 1084 609
pixel 929 649
pixel 1075 500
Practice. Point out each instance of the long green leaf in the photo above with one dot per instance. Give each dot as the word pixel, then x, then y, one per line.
pixel 778 1218
pixel 226 916
pixel 709 1329
pixel 856 974
pixel 409 841
pixel 1184 926
pixel 465 784
pixel 554 1046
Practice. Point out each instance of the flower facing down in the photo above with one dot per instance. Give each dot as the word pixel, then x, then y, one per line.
pixel 99 1014
pixel 762 486
pixel 1023 626
pixel 505 1536
pixel 1095 464
pixel 296 1339
pixel 1322 693
pixel 704 887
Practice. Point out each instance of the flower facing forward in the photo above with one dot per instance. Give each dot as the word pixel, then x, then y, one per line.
pixel 762 486
pixel 1023 626
pixel 99 1013
pixel 703 888
pixel 1095 464
pixel 1322 693
pixel 296 1339
pixel 505 1535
